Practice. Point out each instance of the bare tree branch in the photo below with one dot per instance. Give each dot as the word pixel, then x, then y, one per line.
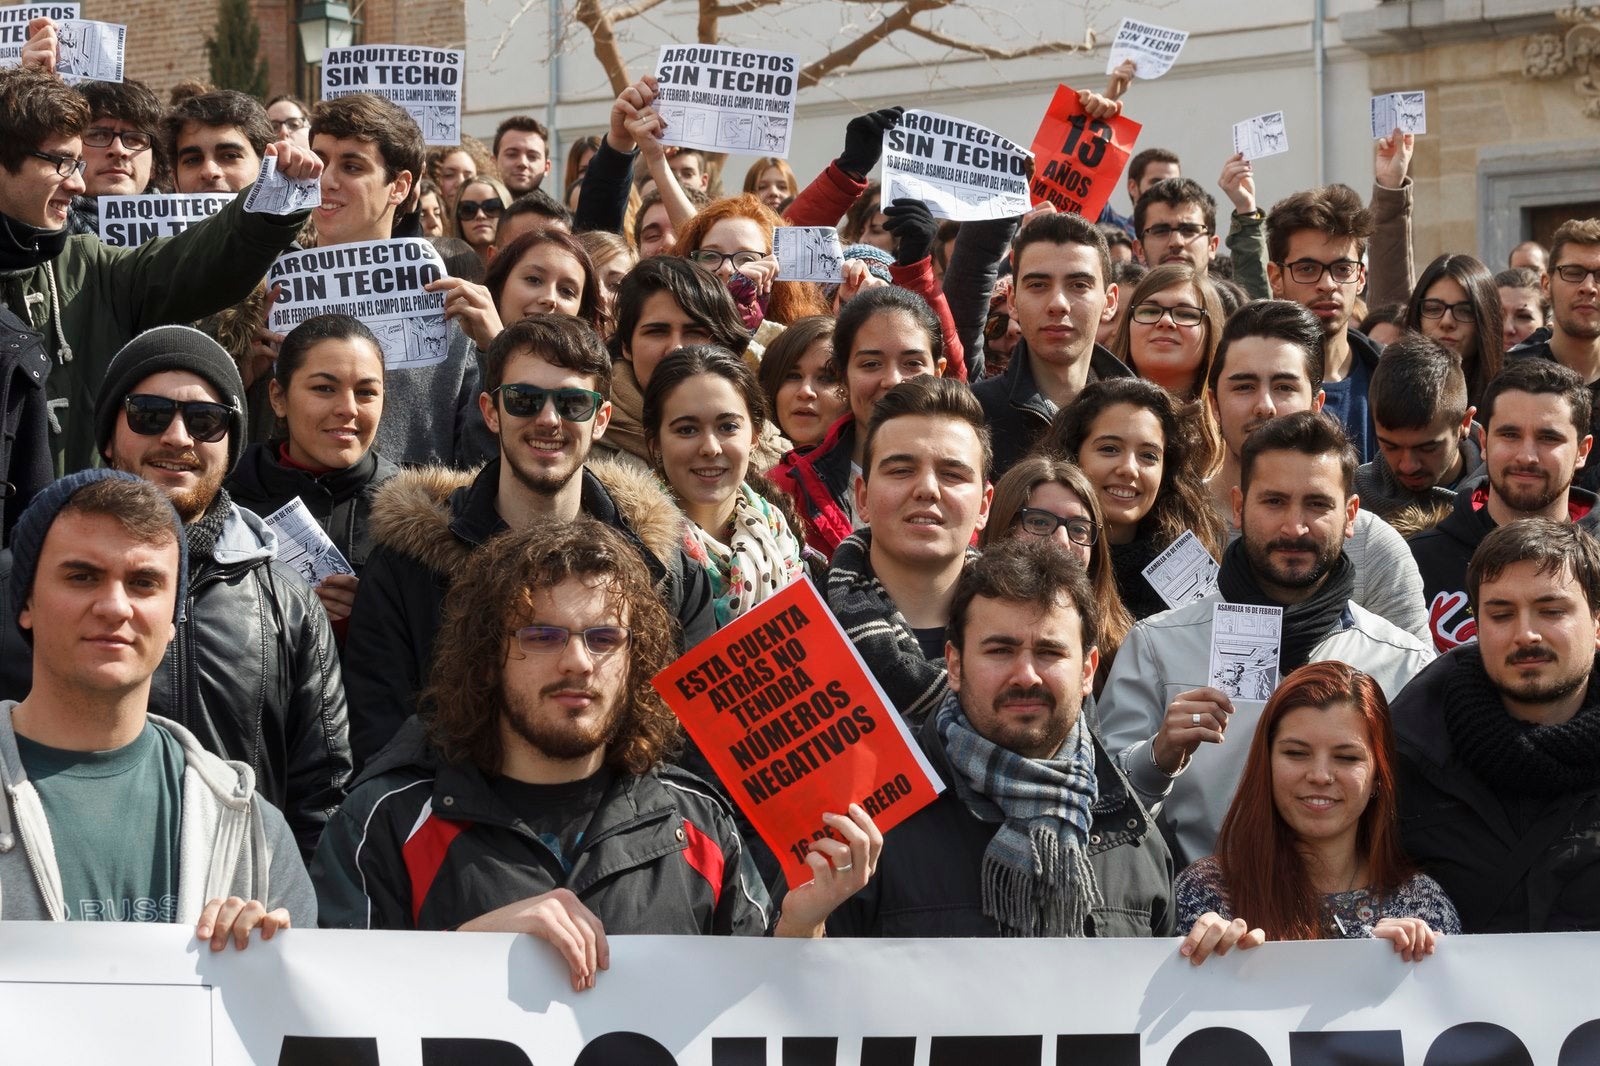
pixel 628 11
pixel 1085 45
pixel 598 22
pixel 848 54
pixel 724 10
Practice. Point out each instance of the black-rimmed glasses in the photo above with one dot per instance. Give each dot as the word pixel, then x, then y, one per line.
pixel 1042 523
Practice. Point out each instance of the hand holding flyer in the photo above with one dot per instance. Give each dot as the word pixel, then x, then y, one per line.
pixel 302 544
pixel 961 170
pixel 1261 136
pixel 795 725
pixel 90 51
pixel 1078 160
pixel 14 26
pixel 1406 112
pixel 1153 49
pixel 727 99
pixel 808 253
pixel 1245 641
pixel 273 193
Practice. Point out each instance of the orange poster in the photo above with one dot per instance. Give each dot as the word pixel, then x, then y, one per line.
pixel 795 725
pixel 1078 160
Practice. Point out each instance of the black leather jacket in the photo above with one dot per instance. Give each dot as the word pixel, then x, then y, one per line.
pixel 340 500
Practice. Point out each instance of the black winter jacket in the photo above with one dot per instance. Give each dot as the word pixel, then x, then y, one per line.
pixel 1443 552
pixel 929 878
pixel 660 855
pixel 1536 872
pixel 340 500
pixel 426 522
pixel 1018 413
pixel 25 462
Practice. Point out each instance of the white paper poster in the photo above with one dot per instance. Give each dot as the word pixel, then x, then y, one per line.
pixel 1245 639
pixel 128 221
pixel 379 282
pixel 1184 573
pixel 14 26
pixel 274 194
pixel 90 51
pixel 1406 112
pixel 1261 136
pixel 1153 49
pixel 303 546
pixel 808 253
pixel 727 99
pixel 961 170
pixel 425 81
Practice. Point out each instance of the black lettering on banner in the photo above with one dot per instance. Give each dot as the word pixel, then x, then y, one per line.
pixel 810 1050
pixel 626 1049
pixel 1377 1047
pixel 1102 1049
pixel 1092 150
pixel 888 1051
pixel 1581 1047
pixel 1218 1046
pixel 1472 1043
pixel 990 1050
pixel 471 1051
pixel 738 1051
pixel 328 1051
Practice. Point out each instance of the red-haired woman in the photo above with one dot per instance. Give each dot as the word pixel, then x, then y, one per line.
pixel 1310 849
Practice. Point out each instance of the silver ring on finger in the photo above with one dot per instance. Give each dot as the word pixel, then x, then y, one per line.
pixel 846 868
pixel 1194 719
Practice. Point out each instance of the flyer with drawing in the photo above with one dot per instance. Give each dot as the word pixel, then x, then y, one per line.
pixel 727 99
pixel 1406 112
pixel 1184 573
pixel 273 193
pixel 379 282
pixel 303 545
pixel 1153 49
pixel 90 51
pixel 1245 638
pixel 425 81
pixel 796 726
pixel 961 170
pixel 1078 160
pixel 129 221
pixel 1261 136
pixel 808 253
pixel 14 26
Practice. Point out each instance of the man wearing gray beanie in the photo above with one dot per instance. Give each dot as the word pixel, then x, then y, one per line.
pixel 108 813
pixel 254 671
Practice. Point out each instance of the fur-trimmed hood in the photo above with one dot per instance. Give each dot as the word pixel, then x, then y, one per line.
pixel 437 515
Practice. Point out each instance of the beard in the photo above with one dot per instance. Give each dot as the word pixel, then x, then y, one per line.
pixel 1531 498
pixel 555 732
pixel 1270 572
pixel 545 480
pixel 1552 689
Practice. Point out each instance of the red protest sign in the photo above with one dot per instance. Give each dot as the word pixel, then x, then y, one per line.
pixel 1078 160
pixel 795 725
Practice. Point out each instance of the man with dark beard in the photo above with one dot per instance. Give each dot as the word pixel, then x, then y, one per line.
pixel 1536 414
pixel 546 379
pixel 533 799
pixel 252 672
pixel 1295 510
pixel 1499 741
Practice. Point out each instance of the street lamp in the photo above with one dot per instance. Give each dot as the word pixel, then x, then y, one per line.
pixel 324 25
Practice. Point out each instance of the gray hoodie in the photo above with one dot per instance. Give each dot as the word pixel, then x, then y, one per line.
pixel 233 842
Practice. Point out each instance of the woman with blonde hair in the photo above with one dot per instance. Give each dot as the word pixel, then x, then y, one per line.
pixel 771 181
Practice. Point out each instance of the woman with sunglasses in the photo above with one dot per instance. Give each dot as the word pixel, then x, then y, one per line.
pixel 1042 496
pixel 327 391
pixel 1310 848
pixel 703 414
pixel 477 213
pixel 1131 439
pixel 1455 302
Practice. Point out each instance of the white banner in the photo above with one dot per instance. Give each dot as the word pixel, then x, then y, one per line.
pixel 427 82
pixel 143 995
pixel 129 221
pixel 961 170
pixel 14 21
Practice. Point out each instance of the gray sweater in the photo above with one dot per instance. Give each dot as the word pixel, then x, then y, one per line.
pixel 234 843
pixel 430 413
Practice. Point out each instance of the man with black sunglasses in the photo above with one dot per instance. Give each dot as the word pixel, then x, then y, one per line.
pixel 253 672
pixel 546 379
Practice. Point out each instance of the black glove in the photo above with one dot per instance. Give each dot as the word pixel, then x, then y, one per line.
pixel 863 140
pixel 913 227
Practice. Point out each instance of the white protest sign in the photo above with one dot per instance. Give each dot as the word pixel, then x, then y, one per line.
pixel 128 221
pixel 727 99
pixel 14 26
pixel 90 51
pixel 379 282
pixel 425 81
pixel 1261 136
pixel 1153 49
pixel 273 193
pixel 303 546
pixel 961 170
pixel 148 995
pixel 1184 573
pixel 808 253
pixel 1245 639
pixel 1406 112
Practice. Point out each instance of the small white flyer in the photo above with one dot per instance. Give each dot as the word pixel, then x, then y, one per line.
pixel 723 99
pixel 808 253
pixel 1261 136
pixel 1184 573
pixel 302 544
pixel 90 51
pixel 274 194
pixel 14 26
pixel 1153 49
pixel 1244 649
pixel 1406 112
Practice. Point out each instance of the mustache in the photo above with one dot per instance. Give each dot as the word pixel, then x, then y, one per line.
pixel 1303 544
pixel 1018 694
pixel 1536 655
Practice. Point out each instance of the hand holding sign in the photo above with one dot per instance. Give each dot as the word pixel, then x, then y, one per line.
pixel 1152 49
pixel 42 46
pixel 1078 157
pixel 1391 159
pixel 842 867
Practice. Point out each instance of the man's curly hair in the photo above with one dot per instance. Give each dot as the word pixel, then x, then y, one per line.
pixel 494 596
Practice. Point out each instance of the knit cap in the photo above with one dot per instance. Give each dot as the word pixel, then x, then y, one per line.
pixel 878 261
pixel 171 348
pixel 27 539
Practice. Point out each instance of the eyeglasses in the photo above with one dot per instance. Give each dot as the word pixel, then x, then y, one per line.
pixel 713 261
pixel 1575 274
pixel 288 125
pixel 1186 232
pixel 1309 271
pixel 1461 312
pixel 547 640
pixel 66 166
pixel 1044 523
pixel 527 401
pixel 149 416
pixel 1148 314
pixel 474 208
pixel 102 136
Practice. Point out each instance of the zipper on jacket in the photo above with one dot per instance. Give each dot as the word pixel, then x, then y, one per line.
pixel 33 862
